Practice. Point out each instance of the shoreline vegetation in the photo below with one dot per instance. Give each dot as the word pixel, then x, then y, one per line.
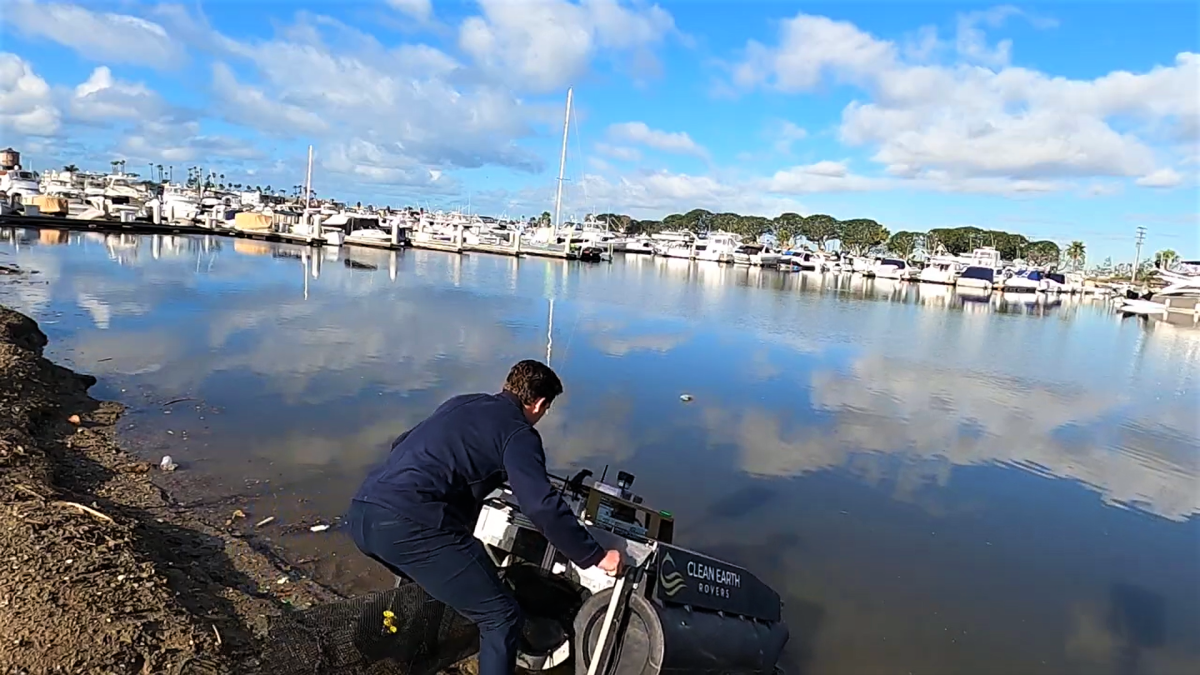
pixel 857 236
pixel 103 572
pixel 861 236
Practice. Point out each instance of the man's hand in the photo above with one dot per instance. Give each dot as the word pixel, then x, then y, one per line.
pixel 611 563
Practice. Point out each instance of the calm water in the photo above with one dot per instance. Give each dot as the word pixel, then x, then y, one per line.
pixel 935 484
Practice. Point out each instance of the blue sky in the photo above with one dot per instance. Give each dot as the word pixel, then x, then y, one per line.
pixel 1065 120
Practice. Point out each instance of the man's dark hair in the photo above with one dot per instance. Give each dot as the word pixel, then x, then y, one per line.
pixel 530 380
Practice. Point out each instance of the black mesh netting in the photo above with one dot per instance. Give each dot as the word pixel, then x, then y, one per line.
pixel 352 637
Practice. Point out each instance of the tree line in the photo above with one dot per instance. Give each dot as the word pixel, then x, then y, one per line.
pixel 856 236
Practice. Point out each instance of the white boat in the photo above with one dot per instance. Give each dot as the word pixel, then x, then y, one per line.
pixel 977 277
pixel 1182 297
pixel 60 183
pixel 717 247
pixel 940 271
pixel 18 182
pixel 179 203
pixel 791 259
pixel 335 236
pixel 889 268
pixel 808 261
pixel 755 255
pixel 861 264
pixel 1181 271
pixel 1075 282
pixel 1025 281
pixel 357 228
pixel 639 245
pixel 1055 282
pixel 595 233
pixel 367 236
pixel 122 185
pixel 673 244
pixel 984 256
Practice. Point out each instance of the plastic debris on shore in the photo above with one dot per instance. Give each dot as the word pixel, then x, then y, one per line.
pixel 167 464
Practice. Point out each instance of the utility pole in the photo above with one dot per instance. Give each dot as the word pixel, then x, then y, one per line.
pixel 1137 256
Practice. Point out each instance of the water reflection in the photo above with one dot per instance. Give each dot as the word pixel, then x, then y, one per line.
pixel 937 482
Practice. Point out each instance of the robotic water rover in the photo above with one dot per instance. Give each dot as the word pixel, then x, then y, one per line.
pixel 673 611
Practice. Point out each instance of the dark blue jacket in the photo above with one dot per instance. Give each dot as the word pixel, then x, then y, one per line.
pixel 440 471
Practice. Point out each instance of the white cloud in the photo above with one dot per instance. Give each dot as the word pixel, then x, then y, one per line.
pixel 26 103
pixel 402 110
pixel 810 47
pixel 968 123
pixel 677 142
pixel 971 41
pixel 244 104
pixel 374 163
pixel 620 152
pixel 1163 178
pixel 420 10
pixel 786 134
pixel 826 176
pixel 100 36
pixel 544 45
pixel 103 97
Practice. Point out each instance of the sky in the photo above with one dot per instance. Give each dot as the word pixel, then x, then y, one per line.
pixel 1063 120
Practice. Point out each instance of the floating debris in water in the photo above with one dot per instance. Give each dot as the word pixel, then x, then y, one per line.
pixel 265 521
pixel 167 464
pixel 686 398
pixel 318 528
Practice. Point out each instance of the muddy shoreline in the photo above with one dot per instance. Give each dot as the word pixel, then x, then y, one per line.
pixel 101 571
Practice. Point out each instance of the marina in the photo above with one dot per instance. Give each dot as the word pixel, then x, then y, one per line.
pixel 119 202
pixel 935 478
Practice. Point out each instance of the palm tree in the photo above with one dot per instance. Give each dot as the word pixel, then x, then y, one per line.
pixel 1164 258
pixel 70 168
pixel 1077 254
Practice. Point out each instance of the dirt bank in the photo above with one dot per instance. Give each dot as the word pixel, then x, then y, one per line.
pixel 100 572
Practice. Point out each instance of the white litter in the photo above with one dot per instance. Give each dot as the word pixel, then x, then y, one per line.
pixel 318 528
pixel 167 464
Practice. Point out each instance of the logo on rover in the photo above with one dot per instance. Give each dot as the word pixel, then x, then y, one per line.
pixel 671 581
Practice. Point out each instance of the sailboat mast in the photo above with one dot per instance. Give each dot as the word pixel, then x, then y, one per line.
pixel 308 181
pixel 562 164
pixel 550 332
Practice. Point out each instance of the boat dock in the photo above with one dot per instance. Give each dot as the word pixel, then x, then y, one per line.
pixel 497 249
pixel 145 227
pixel 375 243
